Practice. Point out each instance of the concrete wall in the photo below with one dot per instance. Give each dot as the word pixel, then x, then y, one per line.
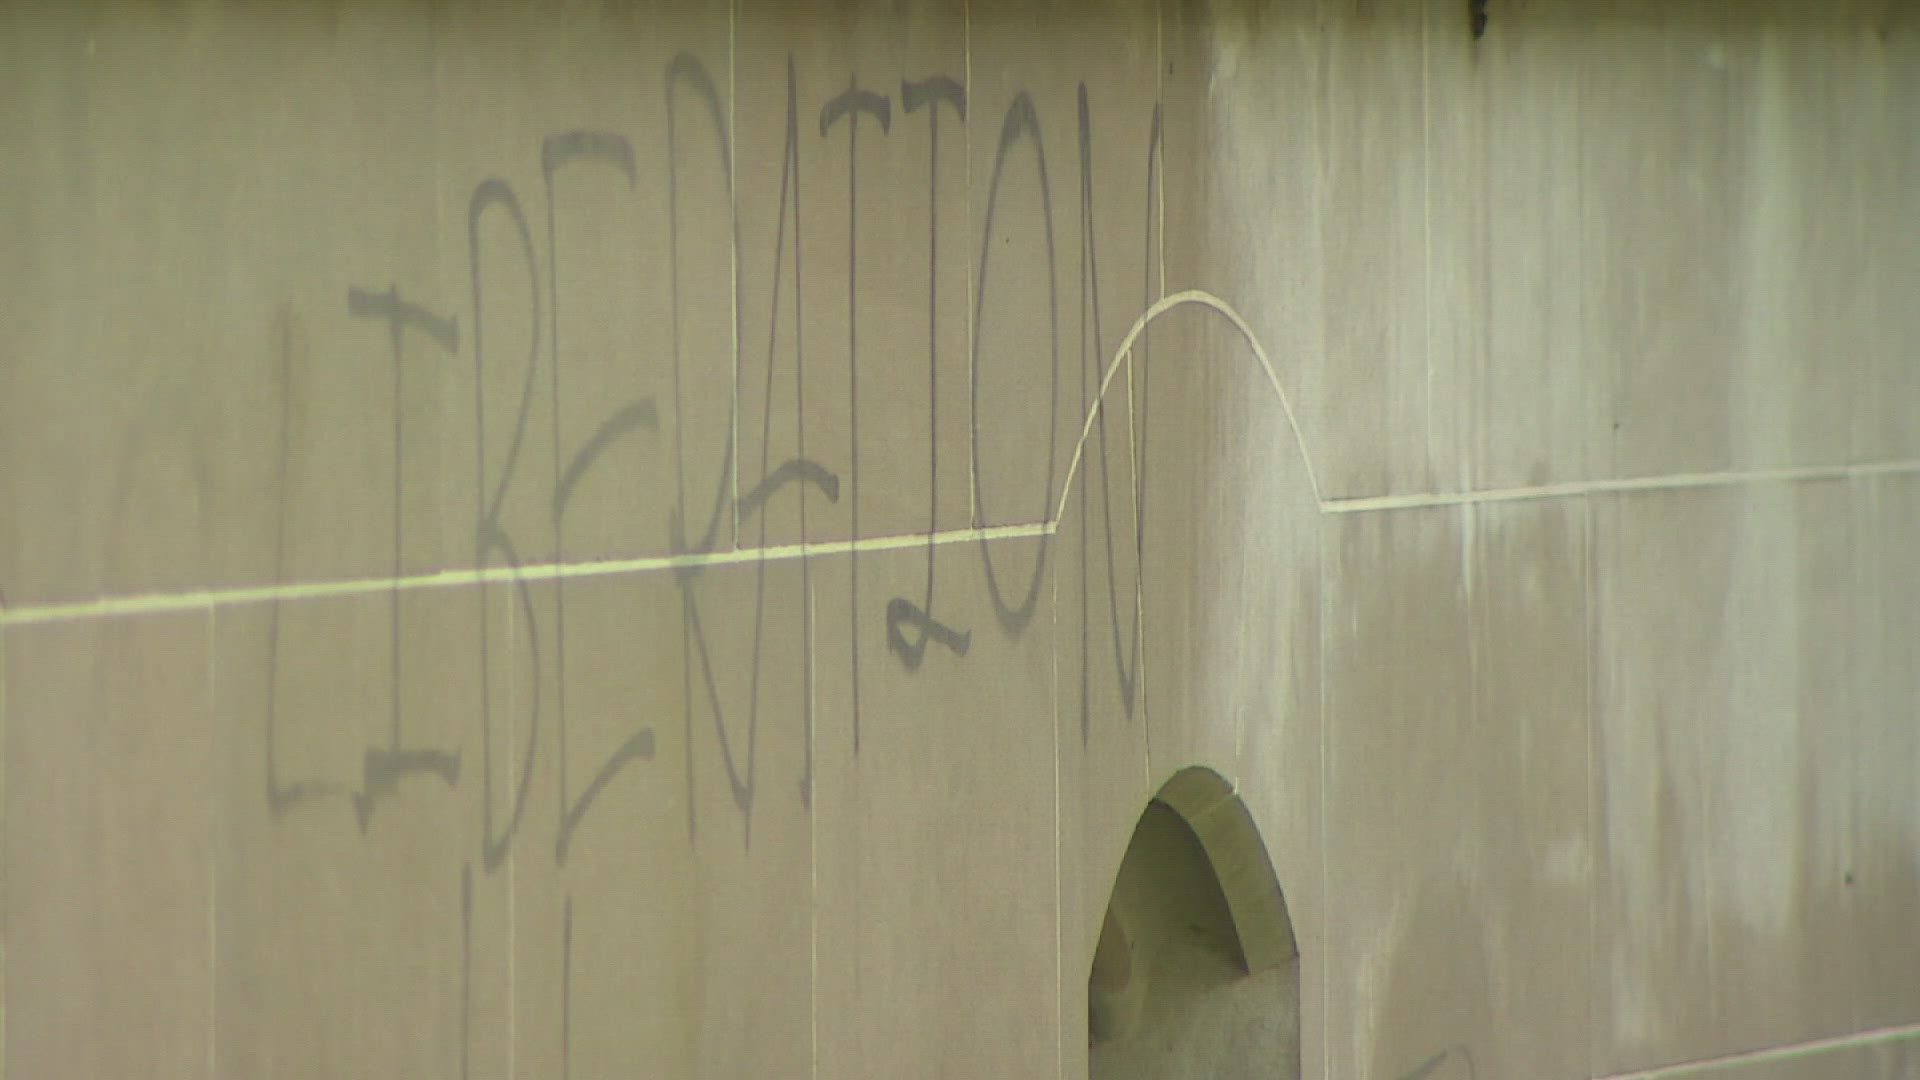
pixel 564 540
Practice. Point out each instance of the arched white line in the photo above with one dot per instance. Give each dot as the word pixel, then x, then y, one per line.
pixel 124 605
pixel 1158 308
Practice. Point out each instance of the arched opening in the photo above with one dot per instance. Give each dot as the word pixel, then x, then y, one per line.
pixel 1196 972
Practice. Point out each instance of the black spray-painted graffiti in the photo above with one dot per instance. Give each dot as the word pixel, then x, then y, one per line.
pixel 697 125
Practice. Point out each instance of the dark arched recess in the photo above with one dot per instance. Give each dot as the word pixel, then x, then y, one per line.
pixel 1196 969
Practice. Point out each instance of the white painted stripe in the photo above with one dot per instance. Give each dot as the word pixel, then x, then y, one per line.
pixel 1580 488
pixel 1785 1052
pixel 163 603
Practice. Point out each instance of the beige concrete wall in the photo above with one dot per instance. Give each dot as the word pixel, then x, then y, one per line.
pixel 557 540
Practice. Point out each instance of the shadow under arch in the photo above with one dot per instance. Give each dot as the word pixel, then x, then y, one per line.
pixel 1196 972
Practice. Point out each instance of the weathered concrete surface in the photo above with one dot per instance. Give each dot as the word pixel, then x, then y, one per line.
pixel 551 540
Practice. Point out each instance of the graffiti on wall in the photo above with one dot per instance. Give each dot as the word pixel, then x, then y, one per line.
pixel 711 514
pixel 719 511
